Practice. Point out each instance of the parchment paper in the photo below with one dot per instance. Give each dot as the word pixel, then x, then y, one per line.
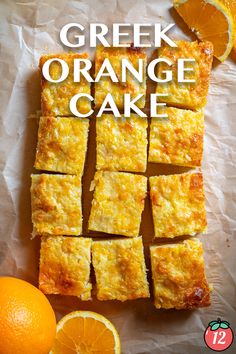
pixel 30 28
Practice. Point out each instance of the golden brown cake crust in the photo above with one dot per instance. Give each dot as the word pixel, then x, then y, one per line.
pixel 178 204
pixel 56 204
pixel 186 95
pixel 178 139
pixel 56 97
pixel 65 266
pixel 120 269
pixel 118 89
pixel 118 203
pixel 121 143
pixel 179 276
pixel 62 144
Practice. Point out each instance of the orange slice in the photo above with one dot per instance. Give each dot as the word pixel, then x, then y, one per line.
pixel 231 6
pixel 86 332
pixel 211 20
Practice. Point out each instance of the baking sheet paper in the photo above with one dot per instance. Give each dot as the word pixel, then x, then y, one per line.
pixel 29 29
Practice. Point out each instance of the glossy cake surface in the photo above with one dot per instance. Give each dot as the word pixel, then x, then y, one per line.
pixel 118 89
pixel 118 203
pixel 55 97
pixel 121 143
pixel 186 95
pixel 179 276
pixel 65 266
pixel 178 139
pixel 178 204
pixel 62 144
pixel 120 269
pixel 56 204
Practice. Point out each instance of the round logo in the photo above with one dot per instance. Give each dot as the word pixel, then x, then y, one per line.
pixel 218 336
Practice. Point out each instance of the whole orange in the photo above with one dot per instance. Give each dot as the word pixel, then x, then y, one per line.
pixel 27 320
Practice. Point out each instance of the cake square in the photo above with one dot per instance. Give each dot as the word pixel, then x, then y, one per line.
pixel 120 269
pixel 178 275
pixel 178 139
pixel 56 204
pixel 65 266
pixel 62 144
pixel 186 95
pixel 118 203
pixel 178 204
pixel 121 143
pixel 118 89
pixel 55 97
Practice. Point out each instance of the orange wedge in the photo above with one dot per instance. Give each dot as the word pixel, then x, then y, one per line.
pixel 86 332
pixel 231 6
pixel 211 21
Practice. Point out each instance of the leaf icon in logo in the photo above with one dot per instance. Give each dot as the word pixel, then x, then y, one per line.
pixel 215 326
pixel 224 325
pixel 212 323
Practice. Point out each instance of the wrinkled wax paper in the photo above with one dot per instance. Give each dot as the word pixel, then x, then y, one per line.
pixel 31 28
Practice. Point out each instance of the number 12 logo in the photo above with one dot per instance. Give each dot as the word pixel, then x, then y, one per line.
pixel 218 336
